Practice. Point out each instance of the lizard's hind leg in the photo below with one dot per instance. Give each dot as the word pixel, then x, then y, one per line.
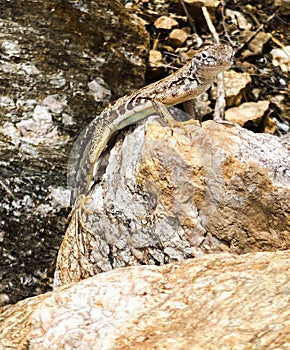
pixel 79 224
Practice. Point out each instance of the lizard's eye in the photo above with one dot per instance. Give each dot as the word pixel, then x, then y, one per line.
pixel 208 60
pixel 203 57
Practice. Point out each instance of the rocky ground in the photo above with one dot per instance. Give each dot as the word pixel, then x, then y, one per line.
pixel 207 207
pixel 55 57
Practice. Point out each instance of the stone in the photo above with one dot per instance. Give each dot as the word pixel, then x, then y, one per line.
pixel 217 301
pixel 53 54
pixel 165 22
pixel 155 57
pixel 248 111
pixel 235 86
pixel 177 37
pixel 206 3
pixel 281 58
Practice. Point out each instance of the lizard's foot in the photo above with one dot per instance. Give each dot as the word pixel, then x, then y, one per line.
pixel 183 125
pixel 170 121
pixel 84 200
pixel 180 124
pixel 79 205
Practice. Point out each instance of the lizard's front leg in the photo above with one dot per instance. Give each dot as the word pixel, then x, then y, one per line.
pixel 171 122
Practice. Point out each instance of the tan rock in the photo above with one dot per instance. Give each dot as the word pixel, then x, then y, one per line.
pixel 171 194
pixel 238 19
pixel 255 46
pixel 155 56
pixel 281 58
pixel 165 22
pixel 207 3
pixel 214 302
pixel 177 37
pixel 235 86
pixel 249 111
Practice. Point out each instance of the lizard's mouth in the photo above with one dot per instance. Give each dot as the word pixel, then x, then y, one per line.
pixel 219 60
pixel 210 72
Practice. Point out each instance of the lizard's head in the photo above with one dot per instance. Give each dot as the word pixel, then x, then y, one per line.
pixel 214 59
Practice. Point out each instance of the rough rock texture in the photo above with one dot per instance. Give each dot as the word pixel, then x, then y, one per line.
pixel 171 194
pixel 216 301
pixel 60 63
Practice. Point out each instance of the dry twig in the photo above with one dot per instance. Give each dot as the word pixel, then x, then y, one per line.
pixel 220 105
pixel 190 19
pixel 252 36
pixel 7 189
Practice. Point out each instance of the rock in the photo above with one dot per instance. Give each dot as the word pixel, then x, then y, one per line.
pixel 255 47
pixel 155 57
pixel 218 301
pixel 249 111
pixel 165 22
pixel 207 3
pixel 235 86
pixel 171 194
pixel 177 37
pixel 54 57
pixel 99 91
pixel 281 58
pixel 238 19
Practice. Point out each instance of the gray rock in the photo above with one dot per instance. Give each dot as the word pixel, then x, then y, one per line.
pixel 49 53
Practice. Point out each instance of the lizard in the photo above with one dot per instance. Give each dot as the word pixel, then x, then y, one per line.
pixel 180 87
